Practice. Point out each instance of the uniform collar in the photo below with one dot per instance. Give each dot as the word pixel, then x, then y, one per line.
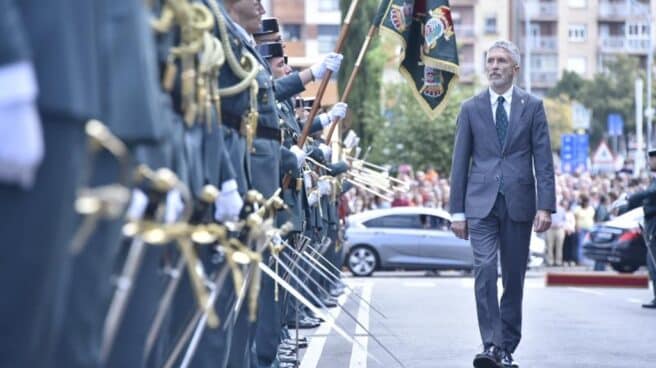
pixel 247 36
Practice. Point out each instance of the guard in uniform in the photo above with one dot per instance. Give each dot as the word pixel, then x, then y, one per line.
pixel 647 199
pixel 46 49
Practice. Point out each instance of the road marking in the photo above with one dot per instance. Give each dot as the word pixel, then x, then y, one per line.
pixel 419 284
pixel 586 291
pixel 318 340
pixel 359 353
pixel 528 283
pixel 634 301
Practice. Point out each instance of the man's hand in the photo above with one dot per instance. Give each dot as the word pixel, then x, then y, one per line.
pixel 331 62
pixel 460 229
pixel 542 221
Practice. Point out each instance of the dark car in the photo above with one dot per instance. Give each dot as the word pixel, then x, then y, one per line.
pixel 618 242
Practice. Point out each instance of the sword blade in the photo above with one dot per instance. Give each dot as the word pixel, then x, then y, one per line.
pixel 326 317
pixel 121 296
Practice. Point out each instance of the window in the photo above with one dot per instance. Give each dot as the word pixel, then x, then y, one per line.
pixel 291 32
pixel 328 5
pixel 577 32
pixel 577 3
pixel 327 38
pixel 576 64
pixel 396 221
pixel 491 25
pixel 429 222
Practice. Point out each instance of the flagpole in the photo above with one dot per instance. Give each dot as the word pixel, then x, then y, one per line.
pixel 324 84
pixel 328 75
pixel 354 73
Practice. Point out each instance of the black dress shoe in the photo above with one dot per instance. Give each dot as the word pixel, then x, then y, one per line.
pixel 507 360
pixel 650 305
pixel 489 358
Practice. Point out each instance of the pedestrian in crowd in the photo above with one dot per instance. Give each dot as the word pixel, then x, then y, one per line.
pixel 555 237
pixel 584 217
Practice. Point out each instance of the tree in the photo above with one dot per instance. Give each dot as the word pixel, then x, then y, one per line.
pixel 559 116
pixel 569 86
pixel 364 100
pixel 610 91
pixel 407 135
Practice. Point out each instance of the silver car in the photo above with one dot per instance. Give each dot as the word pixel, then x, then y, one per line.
pixel 412 238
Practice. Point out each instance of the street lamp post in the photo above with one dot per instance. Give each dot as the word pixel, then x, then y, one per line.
pixel 527 48
pixel 649 111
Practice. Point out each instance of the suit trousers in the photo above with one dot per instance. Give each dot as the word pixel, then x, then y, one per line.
pixel 36 226
pixel 494 236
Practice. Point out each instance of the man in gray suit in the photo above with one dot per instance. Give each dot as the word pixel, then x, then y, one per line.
pixel 501 155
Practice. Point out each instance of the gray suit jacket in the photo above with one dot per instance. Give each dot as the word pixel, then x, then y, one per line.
pixel 524 161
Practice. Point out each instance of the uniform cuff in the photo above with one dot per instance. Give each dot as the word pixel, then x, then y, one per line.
pixel 457 217
pixel 21 77
pixel 229 186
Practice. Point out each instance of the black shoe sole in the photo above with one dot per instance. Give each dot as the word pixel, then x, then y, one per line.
pixel 485 362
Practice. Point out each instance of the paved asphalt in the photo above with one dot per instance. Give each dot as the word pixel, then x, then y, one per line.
pixel 431 322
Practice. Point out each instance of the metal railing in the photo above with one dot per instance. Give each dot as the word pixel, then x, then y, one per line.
pixel 624 44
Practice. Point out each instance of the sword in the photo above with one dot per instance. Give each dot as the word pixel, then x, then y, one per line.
pixel 326 317
pixel 323 272
pixel 309 277
pixel 163 182
pixel 198 323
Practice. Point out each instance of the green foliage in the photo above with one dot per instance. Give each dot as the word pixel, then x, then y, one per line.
pixel 364 100
pixel 568 86
pixel 407 135
pixel 608 92
pixel 559 116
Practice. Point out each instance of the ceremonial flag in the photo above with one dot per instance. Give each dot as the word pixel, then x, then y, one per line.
pixel 429 58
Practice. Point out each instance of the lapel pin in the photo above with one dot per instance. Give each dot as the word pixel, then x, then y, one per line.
pixel 522 101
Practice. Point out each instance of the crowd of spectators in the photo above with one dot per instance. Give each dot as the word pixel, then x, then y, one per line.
pixel 582 201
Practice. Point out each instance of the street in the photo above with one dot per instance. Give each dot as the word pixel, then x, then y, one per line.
pixel 431 322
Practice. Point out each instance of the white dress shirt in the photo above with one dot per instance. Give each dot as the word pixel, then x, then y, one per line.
pixel 494 102
pixel 506 104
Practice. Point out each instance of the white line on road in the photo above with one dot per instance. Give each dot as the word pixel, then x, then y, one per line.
pixel 634 301
pixel 318 341
pixel 587 291
pixel 419 284
pixel 359 353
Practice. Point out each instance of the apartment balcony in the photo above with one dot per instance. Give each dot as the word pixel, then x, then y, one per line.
pixel 541 44
pixel 465 33
pixel 538 10
pixel 544 78
pixel 622 44
pixel 620 11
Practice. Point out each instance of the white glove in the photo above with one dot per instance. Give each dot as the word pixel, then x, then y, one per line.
pixel 228 203
pixel 331 62
pixel 325 187
pixel 174 206
pixel 313 197
pixel 338 111
pixel 21 141
pixel 327 151
pixel 137 206
pixel 300 154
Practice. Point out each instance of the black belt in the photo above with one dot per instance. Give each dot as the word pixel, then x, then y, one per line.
pixel 268 133
pixel 233 121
